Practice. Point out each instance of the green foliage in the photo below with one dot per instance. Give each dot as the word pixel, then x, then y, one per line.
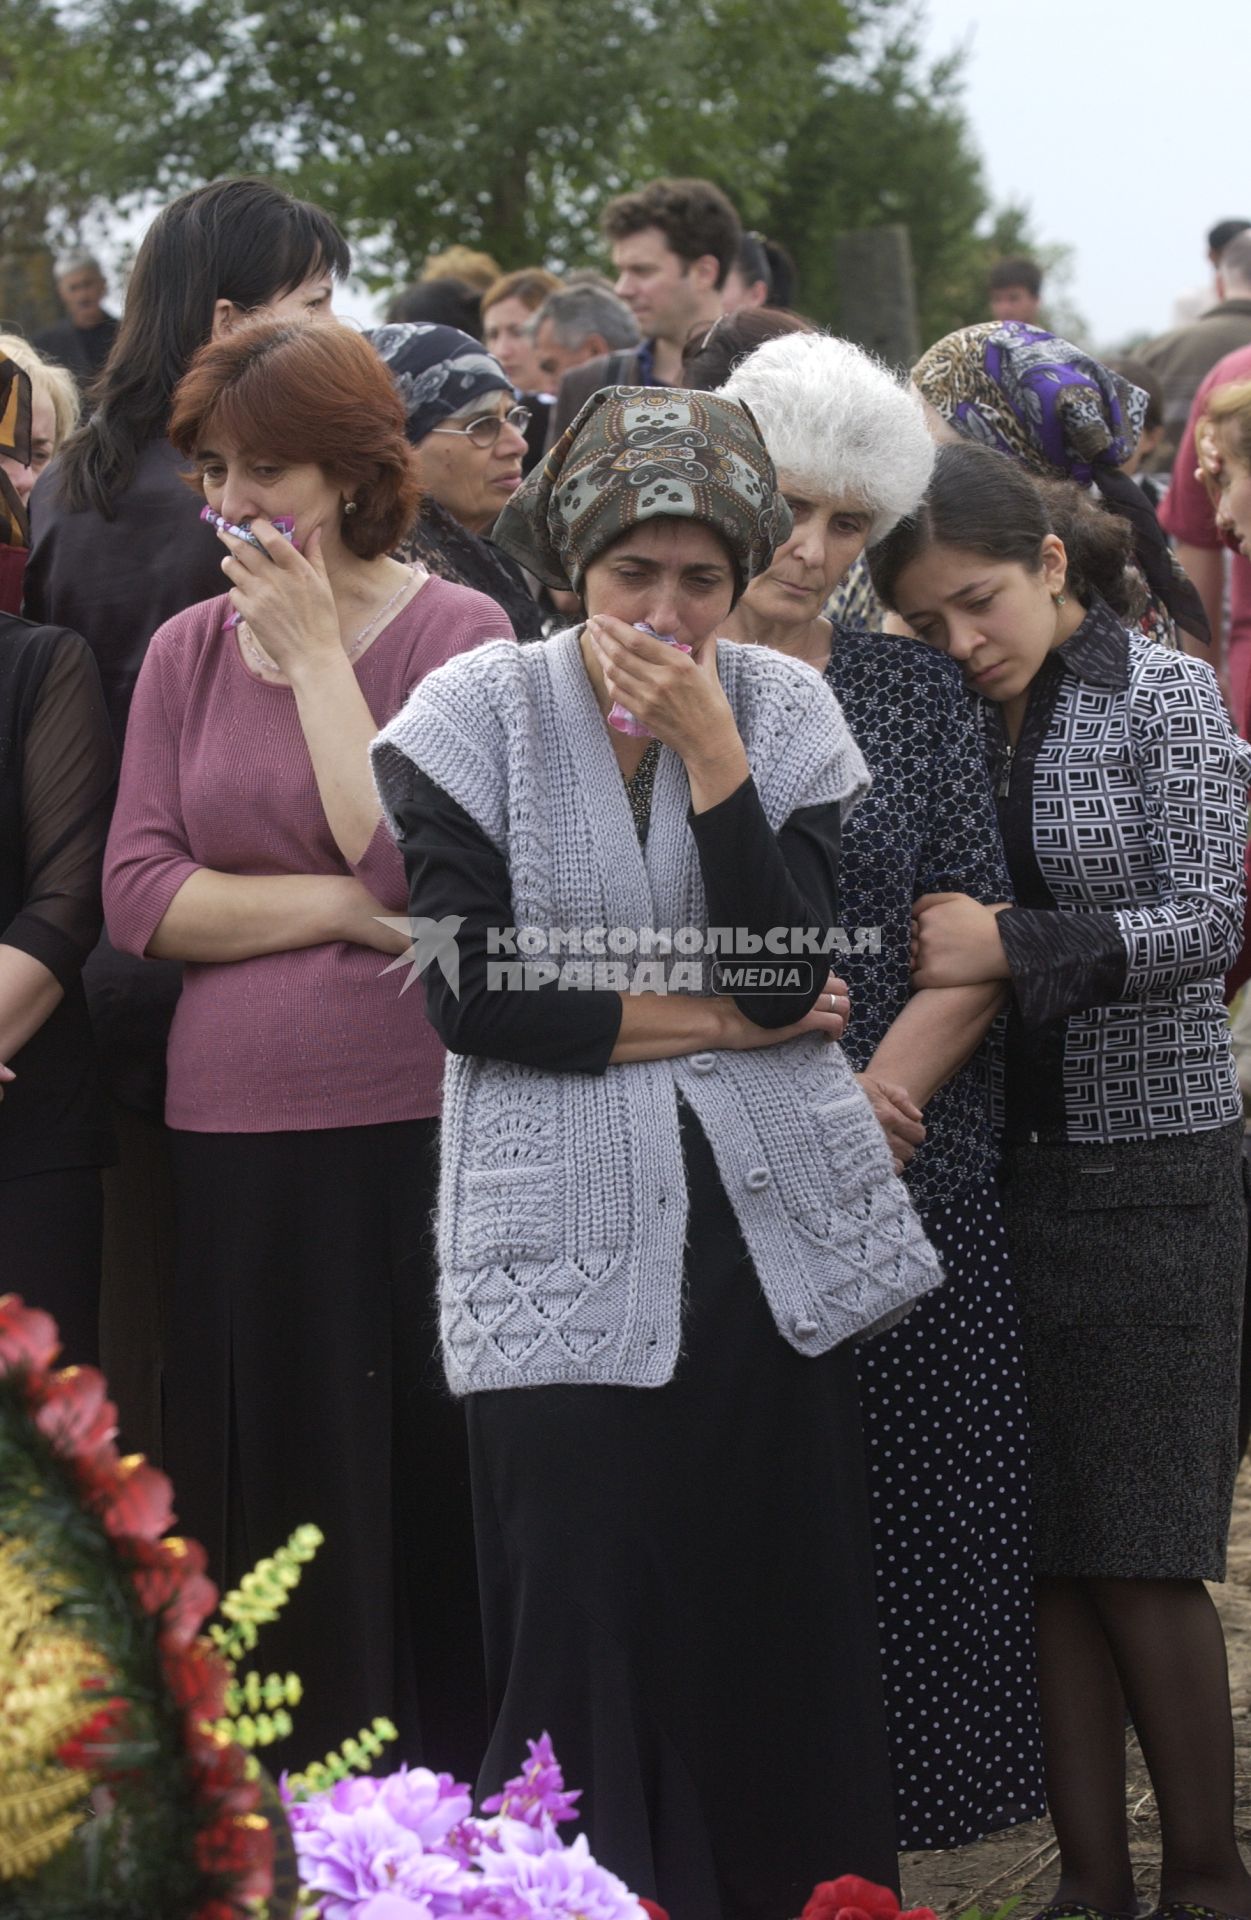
pixel 505 124
pixel 260 1597
pixel 354 1756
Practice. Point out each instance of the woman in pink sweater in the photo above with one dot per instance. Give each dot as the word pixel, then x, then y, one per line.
pixel 300 1379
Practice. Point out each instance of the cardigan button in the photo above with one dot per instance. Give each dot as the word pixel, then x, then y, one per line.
pixel 805 1329
pixel 703 1062
pixel 756 1178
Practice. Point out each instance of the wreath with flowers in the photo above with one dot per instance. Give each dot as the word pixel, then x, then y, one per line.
pixel 129 1789
pixel 122 1794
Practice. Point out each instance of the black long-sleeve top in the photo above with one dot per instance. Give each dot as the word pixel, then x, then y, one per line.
pixel 753 878
pixel 57 775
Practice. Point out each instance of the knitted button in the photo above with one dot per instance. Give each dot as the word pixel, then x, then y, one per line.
pixel 703 1062
pixel 756 1178
pixel 804 1329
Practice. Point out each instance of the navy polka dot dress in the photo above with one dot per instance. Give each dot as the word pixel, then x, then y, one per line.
pixel 943 1394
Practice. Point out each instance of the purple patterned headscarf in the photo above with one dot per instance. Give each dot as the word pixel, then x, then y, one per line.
pixel 1061 415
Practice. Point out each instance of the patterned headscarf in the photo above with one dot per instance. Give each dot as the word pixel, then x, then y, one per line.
pixel 646 453
pixel 438 370
pixel 1061 415
pixel 15 405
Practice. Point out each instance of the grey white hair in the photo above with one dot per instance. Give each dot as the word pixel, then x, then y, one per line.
pixel 577 312
pixel 68 263
pixel 839 422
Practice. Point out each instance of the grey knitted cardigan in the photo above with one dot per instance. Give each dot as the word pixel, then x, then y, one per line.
pixel 562 1198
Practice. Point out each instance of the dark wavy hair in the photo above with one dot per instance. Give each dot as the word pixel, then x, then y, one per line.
pixel 979 501
pixel 307 390
pixel 694 216
pixel 708 359
pixel 240 240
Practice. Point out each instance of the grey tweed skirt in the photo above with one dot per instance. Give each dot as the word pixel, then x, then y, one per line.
pixel 1129 1263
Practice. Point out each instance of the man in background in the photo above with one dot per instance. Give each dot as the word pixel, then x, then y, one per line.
pixel 1183 356
pixel 581 323
pixel 81 341
pixel 1016 290
pixel 672 244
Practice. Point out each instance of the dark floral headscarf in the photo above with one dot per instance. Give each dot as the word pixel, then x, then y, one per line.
pixel 646 453
pixel 15 409
pixel 438 370
pixel 1061 415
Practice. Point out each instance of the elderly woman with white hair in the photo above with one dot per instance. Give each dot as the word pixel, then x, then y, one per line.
pixel 943 1397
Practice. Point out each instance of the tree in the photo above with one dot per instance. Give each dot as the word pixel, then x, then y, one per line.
pixel 506 123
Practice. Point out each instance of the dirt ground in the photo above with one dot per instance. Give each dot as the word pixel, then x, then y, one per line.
pixel 1022 1861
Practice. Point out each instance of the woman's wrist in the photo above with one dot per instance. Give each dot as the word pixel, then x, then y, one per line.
pixel 715 771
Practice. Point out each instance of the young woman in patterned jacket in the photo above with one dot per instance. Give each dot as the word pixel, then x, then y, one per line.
pixel 1122 799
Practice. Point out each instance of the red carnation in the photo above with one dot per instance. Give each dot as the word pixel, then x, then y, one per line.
pixel 138 1502
pixel 87 1750
pixel 76 1417
pixel 28 1338
pixel 170 1580
pixel 851 1898
pixel 240 1846
pixel 197 1678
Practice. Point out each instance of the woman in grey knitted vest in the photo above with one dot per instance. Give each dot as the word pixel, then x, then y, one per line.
pixel 666 1209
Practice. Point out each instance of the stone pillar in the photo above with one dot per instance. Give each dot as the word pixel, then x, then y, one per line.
pixel 877 306
pixel 27 289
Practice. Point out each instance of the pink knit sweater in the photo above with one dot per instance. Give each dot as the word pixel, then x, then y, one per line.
pixel 216 774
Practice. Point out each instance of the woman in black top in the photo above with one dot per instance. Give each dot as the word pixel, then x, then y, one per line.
pixel 117 549
pixel 56 790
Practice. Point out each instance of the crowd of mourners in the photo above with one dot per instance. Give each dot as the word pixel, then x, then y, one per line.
pixel 616 930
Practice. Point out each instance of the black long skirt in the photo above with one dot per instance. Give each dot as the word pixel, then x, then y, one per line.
pixel 302 1384
pixel 1130 1264
pixel 677 1586
pixel 948 1437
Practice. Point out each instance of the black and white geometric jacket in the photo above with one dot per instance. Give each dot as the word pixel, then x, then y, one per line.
pixel 1123 809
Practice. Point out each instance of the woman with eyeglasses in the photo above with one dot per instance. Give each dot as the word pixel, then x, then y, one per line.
pixel 470 438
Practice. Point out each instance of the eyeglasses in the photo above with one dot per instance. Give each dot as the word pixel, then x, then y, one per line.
pixel 485 430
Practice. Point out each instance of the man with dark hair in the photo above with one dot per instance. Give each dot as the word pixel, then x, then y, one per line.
pixel 673 243
pixel 1181 357
pixel 1016 289
pixel 1220 236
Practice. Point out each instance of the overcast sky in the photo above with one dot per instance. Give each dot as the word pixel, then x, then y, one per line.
pixel 1124 124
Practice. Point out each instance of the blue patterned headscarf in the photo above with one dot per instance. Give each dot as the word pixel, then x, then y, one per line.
pixel 1061 415
pixel 438 370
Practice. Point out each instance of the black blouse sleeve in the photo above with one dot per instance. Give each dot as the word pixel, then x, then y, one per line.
pixel 454 870
pixel 763 881
pixel 1062 963
pixel 68 779
pixel 753 878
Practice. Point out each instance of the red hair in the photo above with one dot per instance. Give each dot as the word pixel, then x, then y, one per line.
pixel 307 391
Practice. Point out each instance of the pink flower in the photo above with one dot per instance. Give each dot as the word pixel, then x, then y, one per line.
pixel 427 1804
pixel 537 1794
pixel 28 1338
